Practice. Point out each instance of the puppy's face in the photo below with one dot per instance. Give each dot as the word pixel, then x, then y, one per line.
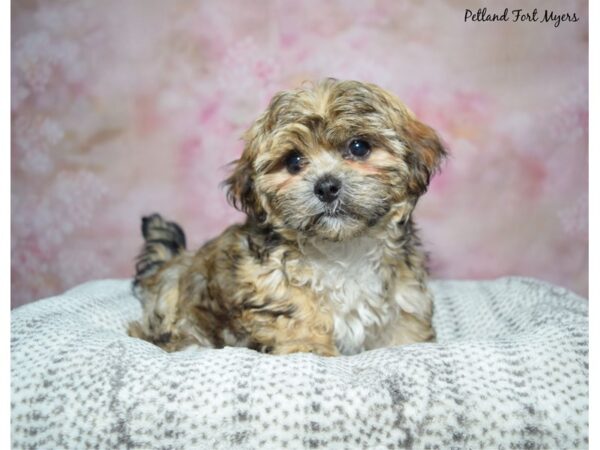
pixel 333 160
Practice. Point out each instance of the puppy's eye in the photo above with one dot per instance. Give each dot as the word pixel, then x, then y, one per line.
pixel 359 148
pixel 294 162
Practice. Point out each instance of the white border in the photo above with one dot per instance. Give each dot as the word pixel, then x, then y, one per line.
pixel 594 214
pixel 5 148
pixel 5 168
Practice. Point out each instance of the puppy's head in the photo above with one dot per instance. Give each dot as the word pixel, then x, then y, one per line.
pixel 332 160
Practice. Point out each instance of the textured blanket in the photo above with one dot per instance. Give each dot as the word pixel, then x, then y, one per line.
pixel 509 371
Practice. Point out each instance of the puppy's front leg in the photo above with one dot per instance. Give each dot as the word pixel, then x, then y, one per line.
pixel 410 329
pixel 288 335
pixel 407 328
pixel 291 327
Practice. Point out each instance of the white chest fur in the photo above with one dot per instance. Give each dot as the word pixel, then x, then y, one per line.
pixel 347 277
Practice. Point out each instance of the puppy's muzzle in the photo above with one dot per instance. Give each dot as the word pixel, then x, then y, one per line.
pixel 327 188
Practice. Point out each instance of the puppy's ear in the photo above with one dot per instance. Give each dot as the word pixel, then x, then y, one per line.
pixel 240 186
pixel 425 150
pixel 424 156
pixel 241 191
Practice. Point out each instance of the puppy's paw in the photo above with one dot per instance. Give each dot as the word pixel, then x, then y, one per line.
pixel 135 329
pixel 305 347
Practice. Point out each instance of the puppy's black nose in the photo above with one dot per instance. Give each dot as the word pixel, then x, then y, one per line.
pixel 327 188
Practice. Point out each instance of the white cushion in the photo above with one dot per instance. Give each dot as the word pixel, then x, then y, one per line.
pixel 509 370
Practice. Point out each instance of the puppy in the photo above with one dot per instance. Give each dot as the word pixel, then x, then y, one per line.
pixel 328 260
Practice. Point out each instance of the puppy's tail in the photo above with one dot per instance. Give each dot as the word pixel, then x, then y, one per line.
pixel 163 241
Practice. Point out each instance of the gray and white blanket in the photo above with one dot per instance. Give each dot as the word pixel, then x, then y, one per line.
pixel 509 371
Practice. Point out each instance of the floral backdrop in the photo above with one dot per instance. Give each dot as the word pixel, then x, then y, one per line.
pixel 122 108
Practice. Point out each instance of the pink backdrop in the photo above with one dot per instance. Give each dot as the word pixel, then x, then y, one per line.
pixel 122 108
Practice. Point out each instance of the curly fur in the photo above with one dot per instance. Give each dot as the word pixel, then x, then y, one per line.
pixel 301 274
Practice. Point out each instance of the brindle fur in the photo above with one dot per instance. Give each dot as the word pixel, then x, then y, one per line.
pixel 254 285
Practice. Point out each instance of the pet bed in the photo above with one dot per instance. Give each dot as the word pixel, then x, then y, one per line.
pixel 509 371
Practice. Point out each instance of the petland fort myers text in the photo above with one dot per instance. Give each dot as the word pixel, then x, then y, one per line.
pixel 520 15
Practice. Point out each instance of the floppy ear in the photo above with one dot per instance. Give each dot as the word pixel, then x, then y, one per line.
pixel 424 156
pixel 241 191
pixel 240 186
pixel 425 150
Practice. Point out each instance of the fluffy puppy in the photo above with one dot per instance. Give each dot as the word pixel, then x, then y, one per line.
pixel 328 260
